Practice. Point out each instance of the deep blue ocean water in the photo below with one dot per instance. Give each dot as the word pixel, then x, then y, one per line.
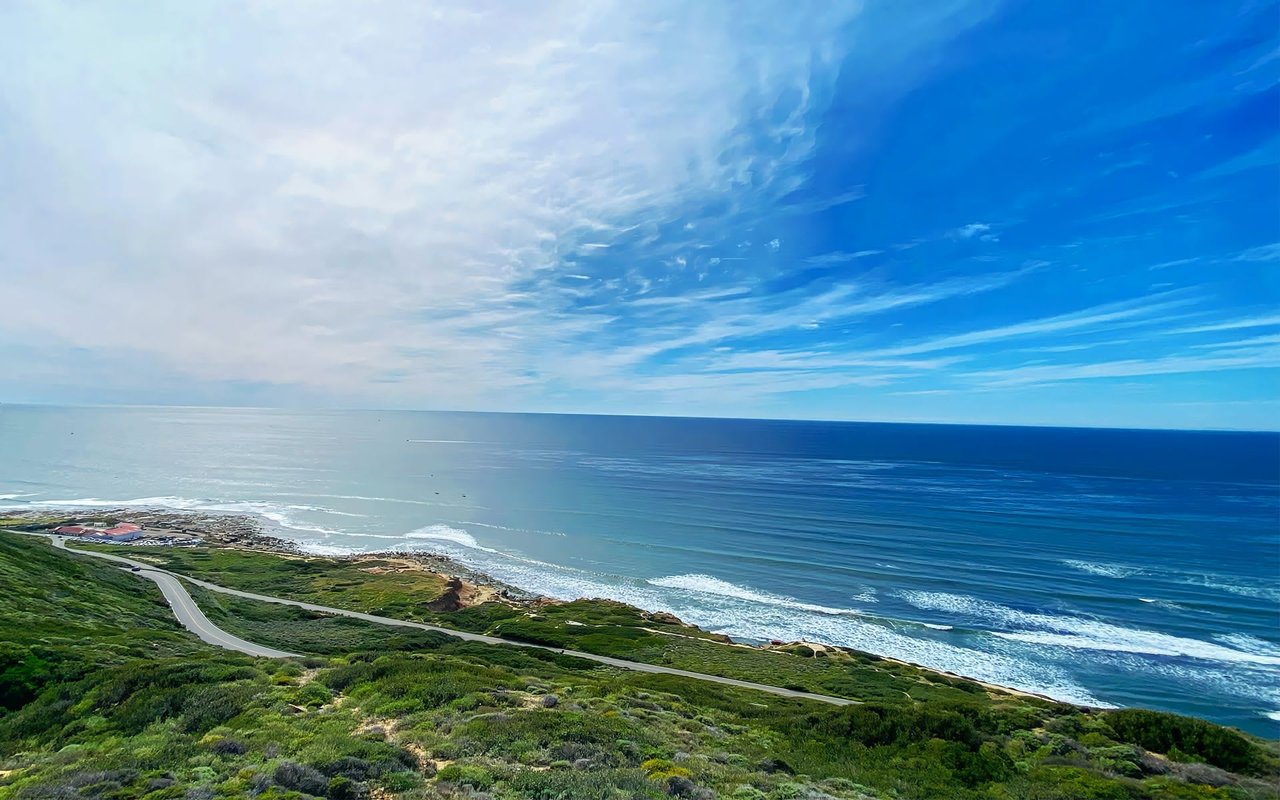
pixel 1102 566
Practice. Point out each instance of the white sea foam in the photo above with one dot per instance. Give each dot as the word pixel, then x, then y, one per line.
pixel 325 549
pixel 177 503
pixel 469 545
pixel 445 533
pixel 376 499
pixel 504 527
pixel 1271 714
pixel 1104 570
pixel 938 627
pixel 1169 604
pixel 1142 642
pixel 706 584
pixel 867 595
pixel 1250 644
pixel 283 515
pixel 1079 632
pixel 1235 587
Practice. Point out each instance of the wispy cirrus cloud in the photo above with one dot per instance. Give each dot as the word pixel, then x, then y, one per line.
pixel 1238 323
pixel 1263 253
pixel 1230 359
pixel 1108 316
pixel 708 208
pixel 308 196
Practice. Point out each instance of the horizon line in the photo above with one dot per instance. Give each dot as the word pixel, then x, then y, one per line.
pixel 850 421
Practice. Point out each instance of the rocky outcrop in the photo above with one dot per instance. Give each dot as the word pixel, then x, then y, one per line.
pixel 451 598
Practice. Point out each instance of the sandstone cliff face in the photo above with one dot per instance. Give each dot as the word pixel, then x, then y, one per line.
pixel 451 598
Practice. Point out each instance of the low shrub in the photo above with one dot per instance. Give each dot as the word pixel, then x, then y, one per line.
pixel 301 778
pixel 466 775
pixel 1188 739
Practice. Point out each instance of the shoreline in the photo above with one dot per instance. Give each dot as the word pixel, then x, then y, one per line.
pixel 467 586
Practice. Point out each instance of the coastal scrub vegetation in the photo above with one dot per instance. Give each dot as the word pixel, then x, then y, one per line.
pixel 602 627
pixel 106 697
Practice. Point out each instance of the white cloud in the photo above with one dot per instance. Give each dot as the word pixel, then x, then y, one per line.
pixel 1232 324
pixel 971 230
pixel 325 194
pixel 1168 365
pixel 818 204
pixel 1252 341
pixel 841 256
pixel 748 316
pixel 1143 311
pixel 1266 252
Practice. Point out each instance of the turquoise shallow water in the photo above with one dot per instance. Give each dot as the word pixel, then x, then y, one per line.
pixel 1107 567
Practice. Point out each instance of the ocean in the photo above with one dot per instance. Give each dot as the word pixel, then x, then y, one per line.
pixel 1107 567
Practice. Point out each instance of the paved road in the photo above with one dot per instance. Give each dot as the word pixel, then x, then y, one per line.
pixel 194 620
pixel 186 610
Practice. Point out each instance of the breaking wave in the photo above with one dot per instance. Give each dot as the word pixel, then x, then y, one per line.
pixel 706 584
pixel 753 615
pixel 1103 570
pixel 1079 632
pixel 1169 604
pixel 1215 582
pixel 282 515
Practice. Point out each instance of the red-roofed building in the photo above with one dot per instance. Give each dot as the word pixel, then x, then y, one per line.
pixel 120 532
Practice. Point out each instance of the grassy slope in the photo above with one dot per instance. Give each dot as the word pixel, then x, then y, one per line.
pixel 65 616
pixel 592 626
pixel 396 705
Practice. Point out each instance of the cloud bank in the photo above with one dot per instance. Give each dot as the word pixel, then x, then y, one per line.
pixel 686 208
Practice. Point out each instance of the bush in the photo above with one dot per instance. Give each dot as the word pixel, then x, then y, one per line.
pixel 1204 774
pixel 566 784
pixel 341 788
pixel 210 706
pixel 1073 783
pixel 466 775
pixel 313 695
pixel 229 747
pixel 772 765
pixel 356 769
pixel 659 769
pixel 1188 738
pixel 400 781
pixel 874 725
pixel 301 778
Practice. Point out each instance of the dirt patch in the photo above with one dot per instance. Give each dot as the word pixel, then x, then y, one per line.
pixel 387 726
pixel 307 677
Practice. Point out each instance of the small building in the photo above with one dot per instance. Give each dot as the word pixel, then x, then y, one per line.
pixel 120 532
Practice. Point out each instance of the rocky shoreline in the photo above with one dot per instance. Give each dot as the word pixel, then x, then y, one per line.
pixel 464 587
pixel 246 533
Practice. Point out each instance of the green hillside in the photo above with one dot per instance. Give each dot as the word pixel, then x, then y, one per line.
pixel 104 696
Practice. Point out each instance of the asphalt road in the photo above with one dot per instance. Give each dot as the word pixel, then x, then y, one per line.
pixel 185 609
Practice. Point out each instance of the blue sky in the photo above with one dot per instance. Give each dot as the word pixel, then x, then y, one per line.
pixel 1024 212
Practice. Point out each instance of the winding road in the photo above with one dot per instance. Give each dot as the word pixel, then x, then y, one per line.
pixel 194 620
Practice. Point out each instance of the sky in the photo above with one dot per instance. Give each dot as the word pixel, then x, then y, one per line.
pixel 1038 212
